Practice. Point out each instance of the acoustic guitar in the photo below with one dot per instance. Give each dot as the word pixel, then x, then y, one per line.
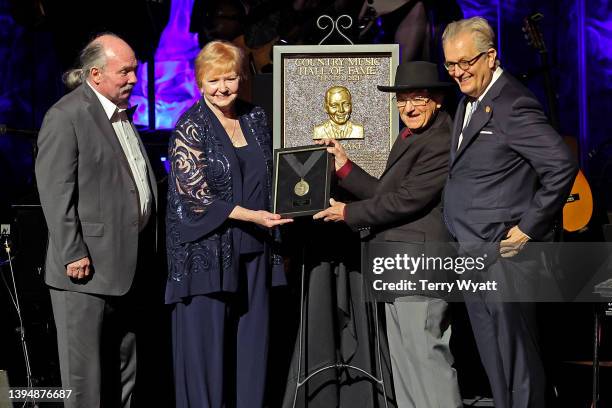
pixel 578 209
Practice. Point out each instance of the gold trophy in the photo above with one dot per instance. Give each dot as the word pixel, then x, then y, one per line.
pixel 339 106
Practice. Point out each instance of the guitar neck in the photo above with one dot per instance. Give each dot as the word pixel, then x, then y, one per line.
pixel 549 88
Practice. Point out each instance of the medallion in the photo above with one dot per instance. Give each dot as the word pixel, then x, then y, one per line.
pixel 301 188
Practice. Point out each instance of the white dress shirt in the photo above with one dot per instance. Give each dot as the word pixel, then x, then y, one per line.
pixel 471 107
pixel 126 134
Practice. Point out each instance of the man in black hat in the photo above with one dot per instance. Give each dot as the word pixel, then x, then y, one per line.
pixel 404 205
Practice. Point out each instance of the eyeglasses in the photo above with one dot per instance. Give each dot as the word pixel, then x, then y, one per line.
pixel 416 101
pixel 463 64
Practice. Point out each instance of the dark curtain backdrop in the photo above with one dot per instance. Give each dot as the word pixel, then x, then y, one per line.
pixel 35 50
pixel 578 34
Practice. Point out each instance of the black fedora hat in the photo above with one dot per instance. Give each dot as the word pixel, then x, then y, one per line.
pixel 415 75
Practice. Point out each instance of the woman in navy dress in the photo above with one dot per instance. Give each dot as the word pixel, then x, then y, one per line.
pixel 220 240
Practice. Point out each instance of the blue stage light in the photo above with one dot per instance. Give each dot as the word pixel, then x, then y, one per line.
pixel 175 87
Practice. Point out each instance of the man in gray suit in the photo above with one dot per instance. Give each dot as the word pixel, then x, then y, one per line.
pixel 98 195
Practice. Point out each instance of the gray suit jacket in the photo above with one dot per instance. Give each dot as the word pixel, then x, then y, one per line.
pixel 88 195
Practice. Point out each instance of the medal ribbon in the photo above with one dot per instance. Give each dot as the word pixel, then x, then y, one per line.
pixel 302 169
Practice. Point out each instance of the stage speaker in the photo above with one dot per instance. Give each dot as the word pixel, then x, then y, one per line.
pixel 30 247
pixel 4 390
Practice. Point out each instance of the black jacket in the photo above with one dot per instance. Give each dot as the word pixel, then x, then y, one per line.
pixel 404 203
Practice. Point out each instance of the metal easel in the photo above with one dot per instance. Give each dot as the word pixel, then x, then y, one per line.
pixel 336 365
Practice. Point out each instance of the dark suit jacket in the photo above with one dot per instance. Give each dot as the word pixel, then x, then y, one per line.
pixel 512 168
pixel 88 195
pixel 404 204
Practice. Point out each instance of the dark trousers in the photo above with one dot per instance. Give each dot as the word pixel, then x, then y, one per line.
pixel 97 348
pixel 506 337
pixel 220 344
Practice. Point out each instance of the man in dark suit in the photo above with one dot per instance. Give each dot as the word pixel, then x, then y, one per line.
pixel 98 194
pixel 509 176
pixel 403 205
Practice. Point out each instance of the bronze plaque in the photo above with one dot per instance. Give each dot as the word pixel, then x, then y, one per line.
pixel 329 91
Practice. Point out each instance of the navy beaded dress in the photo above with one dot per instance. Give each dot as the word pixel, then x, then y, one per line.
pixel 220 270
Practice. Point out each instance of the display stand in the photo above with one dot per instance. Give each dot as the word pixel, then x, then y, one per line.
pixel 370 307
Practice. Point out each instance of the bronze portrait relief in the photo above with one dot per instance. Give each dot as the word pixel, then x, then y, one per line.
pixel 339 107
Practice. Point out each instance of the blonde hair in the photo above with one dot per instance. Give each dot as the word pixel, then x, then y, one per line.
pixel 218 57
pixel 480 30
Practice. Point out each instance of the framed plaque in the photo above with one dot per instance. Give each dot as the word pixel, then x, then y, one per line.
pixel 329 91
pixel 302 179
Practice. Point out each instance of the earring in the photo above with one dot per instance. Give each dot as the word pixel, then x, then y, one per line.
pixel 438 106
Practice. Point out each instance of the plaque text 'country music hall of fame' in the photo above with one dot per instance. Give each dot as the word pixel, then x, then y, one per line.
pixel 329 91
